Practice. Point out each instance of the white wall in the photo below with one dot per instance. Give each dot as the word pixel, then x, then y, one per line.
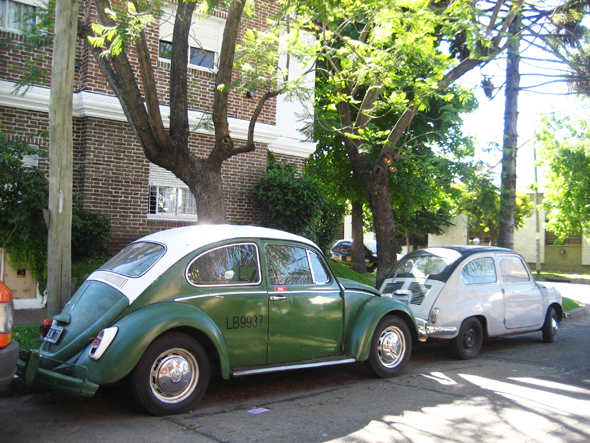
pixel 457 234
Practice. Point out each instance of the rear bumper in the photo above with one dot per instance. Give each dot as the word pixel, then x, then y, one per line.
pixel 30 371
pixel 8 359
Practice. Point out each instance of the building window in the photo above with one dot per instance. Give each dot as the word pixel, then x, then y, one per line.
pixel 205 38
pixel 17 16
pixel 169 197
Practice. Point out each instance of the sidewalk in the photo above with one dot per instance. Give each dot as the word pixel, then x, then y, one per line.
pixel 29 316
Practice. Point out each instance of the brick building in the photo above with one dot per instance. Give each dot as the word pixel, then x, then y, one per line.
pixel 111 174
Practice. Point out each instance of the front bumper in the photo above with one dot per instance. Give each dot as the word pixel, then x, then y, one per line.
pixel 28 369
pixel 422 329
pixel 8 359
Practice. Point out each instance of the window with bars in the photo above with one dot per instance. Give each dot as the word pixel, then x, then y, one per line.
pixel 17 16
pixel 169 197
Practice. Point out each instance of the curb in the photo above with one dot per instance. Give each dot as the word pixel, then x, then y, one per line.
pixel 579 312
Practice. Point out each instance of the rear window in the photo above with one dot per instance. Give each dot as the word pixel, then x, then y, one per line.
pixel 432 262
pixel 135 259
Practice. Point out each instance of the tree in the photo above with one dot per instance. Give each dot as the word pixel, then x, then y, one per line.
pixel 481 202
pixel 565 154
pixel 118 36
pixel 557 29
pixel 382 58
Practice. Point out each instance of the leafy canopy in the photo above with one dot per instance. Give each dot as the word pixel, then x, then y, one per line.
pixel 564 151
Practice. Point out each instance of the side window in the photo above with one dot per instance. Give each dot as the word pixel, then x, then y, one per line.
pixel 513 270
pixel 479 271
pixel 320 274
pixel 228 265
pixel 288 265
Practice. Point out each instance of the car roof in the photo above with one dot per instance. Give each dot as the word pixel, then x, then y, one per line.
pixel 464 251
pixel 196 236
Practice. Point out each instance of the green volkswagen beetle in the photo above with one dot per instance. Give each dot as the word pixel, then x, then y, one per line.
pixel 174 306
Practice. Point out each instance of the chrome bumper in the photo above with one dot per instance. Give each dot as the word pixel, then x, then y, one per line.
pixel 425 331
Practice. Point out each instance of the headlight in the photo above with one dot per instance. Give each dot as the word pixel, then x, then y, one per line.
pixel 102 342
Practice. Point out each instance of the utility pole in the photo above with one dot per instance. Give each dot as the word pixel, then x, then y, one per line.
pixel 59 257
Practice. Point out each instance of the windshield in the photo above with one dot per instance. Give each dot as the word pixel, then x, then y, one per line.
pixel 421 266
pixel 135 259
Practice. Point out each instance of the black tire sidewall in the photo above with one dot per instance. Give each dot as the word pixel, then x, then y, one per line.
pixel 373 363
pixel 141 375
pixel 457 342
pixel 548 335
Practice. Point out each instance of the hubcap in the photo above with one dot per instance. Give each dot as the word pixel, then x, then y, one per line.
pixel 391 347
pixel 469 338
pixel 554 325
pixel 174 375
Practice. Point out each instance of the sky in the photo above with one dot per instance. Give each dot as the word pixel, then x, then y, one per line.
pixel 487 123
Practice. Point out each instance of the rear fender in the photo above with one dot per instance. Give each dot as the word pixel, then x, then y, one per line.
pixel 358 341
pixel 139 329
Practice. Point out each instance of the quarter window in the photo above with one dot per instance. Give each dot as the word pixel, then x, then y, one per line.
pixel 228 265
pixel 17 16
pixel 479 271
pixel 294 265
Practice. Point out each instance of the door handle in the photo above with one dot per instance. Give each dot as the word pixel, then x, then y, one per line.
pixel 277 298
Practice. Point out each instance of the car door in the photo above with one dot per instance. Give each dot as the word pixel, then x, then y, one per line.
pixel 232 293
pixel 523 300
pixel 305 305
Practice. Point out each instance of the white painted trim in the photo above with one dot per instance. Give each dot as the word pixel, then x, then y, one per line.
pixel 107 107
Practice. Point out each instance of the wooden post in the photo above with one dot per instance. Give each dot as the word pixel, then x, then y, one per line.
pixel 61 156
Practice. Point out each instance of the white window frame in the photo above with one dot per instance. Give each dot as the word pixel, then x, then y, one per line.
pixel 161 178
pixel 4 24
pixel 206 33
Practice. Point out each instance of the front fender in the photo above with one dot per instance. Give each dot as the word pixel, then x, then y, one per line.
pixel 360 334
pixel 140 328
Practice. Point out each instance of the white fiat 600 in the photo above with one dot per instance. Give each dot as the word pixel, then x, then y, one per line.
pixel 466 293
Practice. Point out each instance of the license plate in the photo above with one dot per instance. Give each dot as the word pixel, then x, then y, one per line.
pixel 53 334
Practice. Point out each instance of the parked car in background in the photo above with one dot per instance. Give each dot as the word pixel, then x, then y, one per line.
pixel 175 306
pixel 8 346
pixel 341 251
pixel 466 293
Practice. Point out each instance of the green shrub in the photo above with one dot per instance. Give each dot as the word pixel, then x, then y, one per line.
pixel 298 204
pixel 91 233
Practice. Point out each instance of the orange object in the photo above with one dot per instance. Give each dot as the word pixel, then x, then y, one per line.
pixel 6 323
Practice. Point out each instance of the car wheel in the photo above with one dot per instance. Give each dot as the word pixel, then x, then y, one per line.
pixel 467 344
pixel 172 375
pixel 391 347
pixel 551 326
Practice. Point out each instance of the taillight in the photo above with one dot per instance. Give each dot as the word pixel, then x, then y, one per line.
pixel 45 325
pixel 6 315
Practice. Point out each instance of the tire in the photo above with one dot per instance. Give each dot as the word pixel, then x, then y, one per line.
pixel 172 375
pixel 391 347
pixel 551 326
pixel 467 344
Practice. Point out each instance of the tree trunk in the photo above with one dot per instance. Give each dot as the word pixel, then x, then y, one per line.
pixel 59 274
pixel 357 252
pixel 508 185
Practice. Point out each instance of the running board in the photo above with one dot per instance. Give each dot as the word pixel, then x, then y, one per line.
pixel 313 363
